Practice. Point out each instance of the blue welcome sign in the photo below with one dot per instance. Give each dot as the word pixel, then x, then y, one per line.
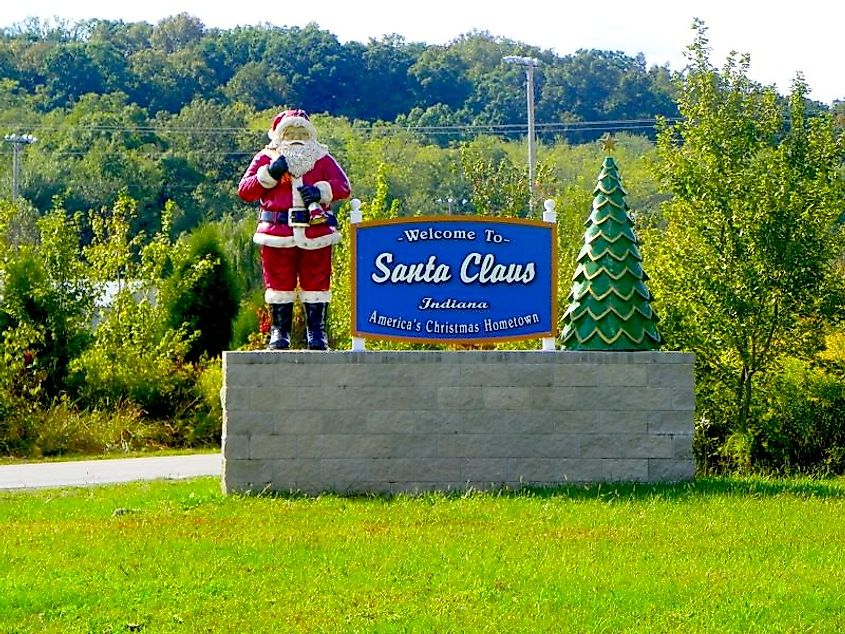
pixel 454 280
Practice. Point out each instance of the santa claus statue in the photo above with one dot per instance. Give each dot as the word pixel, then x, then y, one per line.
pixel 295 180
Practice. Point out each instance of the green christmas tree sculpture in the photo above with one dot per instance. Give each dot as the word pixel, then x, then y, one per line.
pixel 609 304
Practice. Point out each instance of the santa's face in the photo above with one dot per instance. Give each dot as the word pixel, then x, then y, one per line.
pixel 295 135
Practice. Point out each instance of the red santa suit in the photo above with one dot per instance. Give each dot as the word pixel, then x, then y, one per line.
pixel 295 242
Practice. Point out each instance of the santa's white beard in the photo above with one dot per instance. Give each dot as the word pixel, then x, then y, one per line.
pixel 301 157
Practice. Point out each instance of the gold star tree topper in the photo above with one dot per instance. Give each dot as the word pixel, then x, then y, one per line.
pixel 608 143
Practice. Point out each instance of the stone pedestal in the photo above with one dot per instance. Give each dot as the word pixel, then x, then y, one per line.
pixel 418 421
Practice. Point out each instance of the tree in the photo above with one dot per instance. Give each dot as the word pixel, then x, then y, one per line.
pixel 609 304
pixel 259 85
pixel 45 291
pixel 744 266
pixel 203 294
pixel 442 76
pixel 176 32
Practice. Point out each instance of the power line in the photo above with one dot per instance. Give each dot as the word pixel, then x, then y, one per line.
pixel 501 128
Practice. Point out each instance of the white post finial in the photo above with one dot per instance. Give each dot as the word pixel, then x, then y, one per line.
pixel 355 216
pixel 549 215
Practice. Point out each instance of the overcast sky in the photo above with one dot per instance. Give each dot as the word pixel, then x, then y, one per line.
pixel 780 42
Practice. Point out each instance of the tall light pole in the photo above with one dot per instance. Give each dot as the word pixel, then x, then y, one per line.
pixel 529 63
pixel 17 141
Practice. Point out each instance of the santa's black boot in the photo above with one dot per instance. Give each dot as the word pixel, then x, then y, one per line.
pixel 315 326
pixel 281 318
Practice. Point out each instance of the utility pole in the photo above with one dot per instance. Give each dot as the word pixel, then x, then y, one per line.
pixel 529 63
pixel 18 141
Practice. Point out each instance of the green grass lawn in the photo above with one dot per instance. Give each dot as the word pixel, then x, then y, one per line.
pixel 715 556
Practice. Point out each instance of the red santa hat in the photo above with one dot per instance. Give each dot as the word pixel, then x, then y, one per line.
pixel 290 118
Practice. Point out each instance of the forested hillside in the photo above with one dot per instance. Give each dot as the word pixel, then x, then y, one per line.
pixel 165 67
pixel 174 111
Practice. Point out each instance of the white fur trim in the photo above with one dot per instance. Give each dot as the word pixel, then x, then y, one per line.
pixel 298 239
pixel 325 191
pixel 310 244
pixel 278 242
pixel 263 175
pixel 287 122
pixel 315 297
pixel 296 197
pixel 279 297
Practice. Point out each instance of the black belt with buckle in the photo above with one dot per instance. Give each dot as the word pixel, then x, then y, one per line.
pixel 276 217
pixel 281 218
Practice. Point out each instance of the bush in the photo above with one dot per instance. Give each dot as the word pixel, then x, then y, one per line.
pixel 21 388
pixel 798 428
pixel 135 358
pixel 65 429
pixel 252 319
pixel 203 294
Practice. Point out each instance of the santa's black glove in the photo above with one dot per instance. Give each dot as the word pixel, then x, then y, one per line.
pixel 278 167
pixel 310 194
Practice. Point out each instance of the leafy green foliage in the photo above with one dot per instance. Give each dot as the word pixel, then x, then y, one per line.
pixel 201 295
pixel 70 354
pixel 744 270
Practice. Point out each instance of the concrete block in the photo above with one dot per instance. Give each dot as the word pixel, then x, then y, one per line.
pixel 622 399
pixel 684 400
pixel 293 474
pixel 249 422
pixel 483 470
pixel 469 421
pixel 235 398
pixel 555 398
pixel 243 476
pixel 272 447
pixel 458 398
pixel 304 421
pixel 670 375
pixel 270 399
pixel 526 421
pixel 483 375
pixel 444 375
pixel 348 471
pixel 537 470
pixel 367 445
pixel 252 376
pixel 600 421
pixel 507 445
pixel 235 447
pixel 595 375
pixel 505 398
pixel 291 375
pixel 605 470
pixel 346 398
pixel 625 446
pixel 530 375
pixel 404 374
pixel 404 421
pixel 682 447
pixel 670 422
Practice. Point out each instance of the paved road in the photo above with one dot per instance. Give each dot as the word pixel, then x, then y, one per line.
pixel 88 472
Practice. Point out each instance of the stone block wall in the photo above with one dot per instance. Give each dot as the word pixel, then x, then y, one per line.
pixel 418 421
